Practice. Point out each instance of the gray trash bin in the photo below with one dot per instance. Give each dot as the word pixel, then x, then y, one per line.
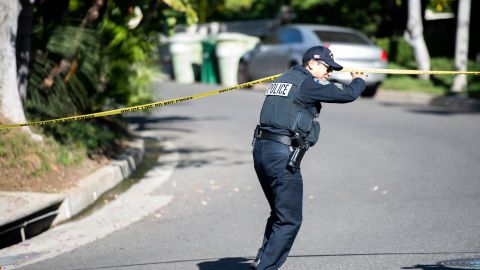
pixel 230 48
pixel 186 50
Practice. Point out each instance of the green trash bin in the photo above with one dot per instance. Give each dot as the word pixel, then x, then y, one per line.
pixel 209 71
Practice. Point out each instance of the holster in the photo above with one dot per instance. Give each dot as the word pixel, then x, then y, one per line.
pixel 300 146
pixel 297 142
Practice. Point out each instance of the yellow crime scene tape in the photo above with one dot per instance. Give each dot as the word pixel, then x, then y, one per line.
pixel 215 92
pixel 138 107
pixel 410 71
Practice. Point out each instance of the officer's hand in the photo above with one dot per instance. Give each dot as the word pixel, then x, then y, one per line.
pixel 358 75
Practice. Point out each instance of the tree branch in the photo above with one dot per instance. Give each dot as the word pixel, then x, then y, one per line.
pixel 65 64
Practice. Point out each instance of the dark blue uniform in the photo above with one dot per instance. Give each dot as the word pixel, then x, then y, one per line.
pixel 292 103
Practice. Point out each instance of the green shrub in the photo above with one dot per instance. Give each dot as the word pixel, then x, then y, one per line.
pixel 95 134
pixel 44 165
pixel 3 149
pixel 110 67
pixel 383 43
pixel 21 145
pixel 67 156
pixel 473 89
pixel 398 51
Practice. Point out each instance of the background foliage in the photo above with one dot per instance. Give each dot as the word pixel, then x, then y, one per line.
pixel 84 62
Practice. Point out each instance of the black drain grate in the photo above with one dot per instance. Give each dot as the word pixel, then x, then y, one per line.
pixel 462 263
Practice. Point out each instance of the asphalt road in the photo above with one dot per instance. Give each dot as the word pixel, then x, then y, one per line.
pixel 386 187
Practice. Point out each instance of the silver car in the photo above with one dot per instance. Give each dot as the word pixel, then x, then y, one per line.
pixel 284 48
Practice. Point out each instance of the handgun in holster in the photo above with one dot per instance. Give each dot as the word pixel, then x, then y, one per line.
pixel 300 146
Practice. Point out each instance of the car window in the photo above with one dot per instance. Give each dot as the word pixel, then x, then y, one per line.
pixel 290 36
pixel 341 37
pixel 271 39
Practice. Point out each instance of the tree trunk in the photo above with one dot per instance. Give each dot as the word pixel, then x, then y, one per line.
pixel 10 104
pixel 461 45
pixel 414 36
pixel 23 46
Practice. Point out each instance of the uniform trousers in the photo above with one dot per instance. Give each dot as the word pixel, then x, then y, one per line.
pixel 284 192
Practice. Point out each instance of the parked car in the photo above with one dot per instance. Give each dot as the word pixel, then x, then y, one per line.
pixel 284 48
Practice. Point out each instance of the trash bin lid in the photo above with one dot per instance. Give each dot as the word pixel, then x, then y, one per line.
pixel 235 36
pixel 185 38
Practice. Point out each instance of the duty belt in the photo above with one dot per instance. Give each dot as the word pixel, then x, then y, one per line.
pixel 262 134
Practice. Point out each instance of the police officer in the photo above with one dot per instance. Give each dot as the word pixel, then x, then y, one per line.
pixel 287 129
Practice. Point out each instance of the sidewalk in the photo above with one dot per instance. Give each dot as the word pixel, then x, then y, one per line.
pixel 26 214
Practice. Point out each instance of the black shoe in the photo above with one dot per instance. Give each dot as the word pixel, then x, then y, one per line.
pixel 254 264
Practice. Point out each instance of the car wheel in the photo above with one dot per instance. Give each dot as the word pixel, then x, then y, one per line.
pixel 370 91
pixel 242 75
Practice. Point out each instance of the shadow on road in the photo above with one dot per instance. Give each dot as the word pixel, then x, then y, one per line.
pixel 442 112
pixel 201 156
pixel 190 156
pixel 194 156
pixel 150 123
pixel 235 263
pixel 432 267
pixel 434 110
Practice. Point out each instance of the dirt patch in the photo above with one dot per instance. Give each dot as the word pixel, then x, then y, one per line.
pixel 57 179
pixel 49 167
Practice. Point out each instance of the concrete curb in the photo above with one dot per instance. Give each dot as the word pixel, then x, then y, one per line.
pixel 94 185
pixel 416 98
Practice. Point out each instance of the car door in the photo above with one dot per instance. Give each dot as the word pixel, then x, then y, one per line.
pixel 260 65
pixel 290 40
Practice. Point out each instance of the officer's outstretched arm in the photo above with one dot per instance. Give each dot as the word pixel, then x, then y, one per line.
pixel 312 91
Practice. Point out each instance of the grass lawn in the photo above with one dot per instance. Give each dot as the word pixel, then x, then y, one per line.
pixel 412 84
pixel 437 85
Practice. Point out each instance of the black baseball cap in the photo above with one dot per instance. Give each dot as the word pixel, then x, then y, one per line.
pixel 321 53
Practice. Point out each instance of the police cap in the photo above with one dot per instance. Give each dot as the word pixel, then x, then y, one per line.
pixel 321 53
